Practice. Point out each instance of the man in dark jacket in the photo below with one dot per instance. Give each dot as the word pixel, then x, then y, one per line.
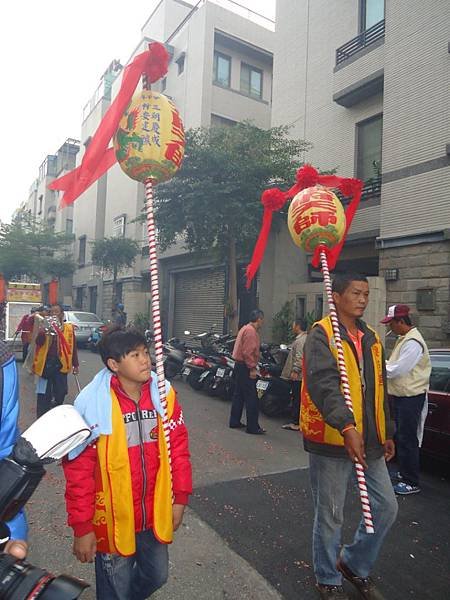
pixel 336 438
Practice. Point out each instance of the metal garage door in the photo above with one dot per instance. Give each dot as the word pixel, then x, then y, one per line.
pixel 199 301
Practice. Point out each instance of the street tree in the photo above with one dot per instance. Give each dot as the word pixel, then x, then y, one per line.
pixel 213 203
pixel 113 254
pixel 32 248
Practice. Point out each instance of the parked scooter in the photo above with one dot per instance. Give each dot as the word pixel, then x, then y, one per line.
pixel 174 351
pixel 274 393
pixel 95 337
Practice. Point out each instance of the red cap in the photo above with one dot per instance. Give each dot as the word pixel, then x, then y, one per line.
pixel 396 311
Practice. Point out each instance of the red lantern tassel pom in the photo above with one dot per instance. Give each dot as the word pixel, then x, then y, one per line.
pixel 273 199
pixel 158 62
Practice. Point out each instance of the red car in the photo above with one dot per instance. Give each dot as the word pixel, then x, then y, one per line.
pixel 436 439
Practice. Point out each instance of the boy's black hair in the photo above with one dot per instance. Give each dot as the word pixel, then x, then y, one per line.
pixel 117 342
pixel 255 315
pixel 341 281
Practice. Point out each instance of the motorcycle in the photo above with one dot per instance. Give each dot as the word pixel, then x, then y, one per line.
pixel 200 367
pixel 274 393
pixel 95 337
pixel 174 351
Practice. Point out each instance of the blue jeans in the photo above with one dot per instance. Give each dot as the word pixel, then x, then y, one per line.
pixel 329 483
pixel 132 577
pixel 408 411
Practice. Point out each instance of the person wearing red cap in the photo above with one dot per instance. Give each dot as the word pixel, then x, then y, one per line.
pixel 408 371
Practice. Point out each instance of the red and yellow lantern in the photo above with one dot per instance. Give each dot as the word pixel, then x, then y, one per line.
pixel 149 142
pixel 316 218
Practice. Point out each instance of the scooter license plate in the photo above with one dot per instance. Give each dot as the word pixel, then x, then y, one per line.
pixel 203 376
pixel 186 371
pixel 220 372
pixel 262 385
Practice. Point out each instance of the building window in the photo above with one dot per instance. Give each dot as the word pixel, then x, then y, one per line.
pixel 368 147
pixel 41 199
pixel 79 298
pixel 372 12
pixel 82 251
pixel 222 69
pixel 119 226
pixel 318 308
pixel 217 121
pixel 69 226
pixel 251 81
pixel 300 307
pixel 180 63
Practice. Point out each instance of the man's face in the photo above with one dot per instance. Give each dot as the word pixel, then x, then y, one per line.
pixel 295 328
pixel 395 327
pixel 353 301
pixel 55 311
pixel 135 366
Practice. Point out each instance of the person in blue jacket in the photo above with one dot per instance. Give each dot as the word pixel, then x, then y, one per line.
pixel 9 432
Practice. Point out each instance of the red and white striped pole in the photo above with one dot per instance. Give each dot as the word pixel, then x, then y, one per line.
pixel 346 389
pixel 156 312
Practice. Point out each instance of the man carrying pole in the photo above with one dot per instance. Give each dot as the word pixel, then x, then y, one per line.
pixel 338 438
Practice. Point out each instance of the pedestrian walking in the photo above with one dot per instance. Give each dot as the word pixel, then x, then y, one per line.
pixel 9 432
pixel 292 371
pixel 336 438
pixel 408 372
pixel 55 355
pixel 246 353
pixel 120 317
pixel 25 327
pixel 118 484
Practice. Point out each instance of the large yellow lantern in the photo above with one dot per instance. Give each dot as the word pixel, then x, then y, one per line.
pixel 149 142
pixel 316 218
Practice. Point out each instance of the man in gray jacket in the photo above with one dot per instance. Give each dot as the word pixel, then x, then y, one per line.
pixel 292 371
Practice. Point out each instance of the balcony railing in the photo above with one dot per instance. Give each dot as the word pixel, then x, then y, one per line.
pixel 364 39
pixel 371 189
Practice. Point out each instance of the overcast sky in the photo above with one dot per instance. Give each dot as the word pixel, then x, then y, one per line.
pixel 54 53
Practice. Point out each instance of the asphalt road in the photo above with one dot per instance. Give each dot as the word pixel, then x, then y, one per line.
pixel 247 533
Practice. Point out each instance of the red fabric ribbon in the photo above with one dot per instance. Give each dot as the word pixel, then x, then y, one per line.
pixel 274 199
pixel 98 158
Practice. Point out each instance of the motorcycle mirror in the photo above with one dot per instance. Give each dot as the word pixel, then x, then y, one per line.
pixel 187 332
pixel 283 347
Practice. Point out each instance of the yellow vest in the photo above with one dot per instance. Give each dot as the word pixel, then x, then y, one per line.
pixel 40 353
pixel 417 380
pixel 114 512
pixel 312 423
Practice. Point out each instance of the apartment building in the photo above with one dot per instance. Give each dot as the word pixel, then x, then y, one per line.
pixel 43 206
pixel 367 82
pixel 220 73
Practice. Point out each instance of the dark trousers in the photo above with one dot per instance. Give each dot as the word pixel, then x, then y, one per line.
pixel 54 394
pixel 25 346
pixel 407 411
pixel 295 391
pixel 244 393
pixel 132 577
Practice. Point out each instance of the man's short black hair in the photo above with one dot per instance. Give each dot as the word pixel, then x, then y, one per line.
pixel 406 320
pixel 255 315
pixel 341 281
pixel 59 305
pixel 117 342
pixel 300 322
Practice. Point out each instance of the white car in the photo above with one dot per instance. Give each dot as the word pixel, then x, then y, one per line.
pixel 84 323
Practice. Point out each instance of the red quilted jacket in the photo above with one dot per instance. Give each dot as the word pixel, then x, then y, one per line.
pixel 142 437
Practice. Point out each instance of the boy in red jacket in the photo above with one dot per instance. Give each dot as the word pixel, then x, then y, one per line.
pixel 120 486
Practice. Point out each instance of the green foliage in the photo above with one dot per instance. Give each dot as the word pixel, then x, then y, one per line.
pixel 215 196
pixel 32 248
pixel 114 254
pixel 141 322
pixel 282 324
